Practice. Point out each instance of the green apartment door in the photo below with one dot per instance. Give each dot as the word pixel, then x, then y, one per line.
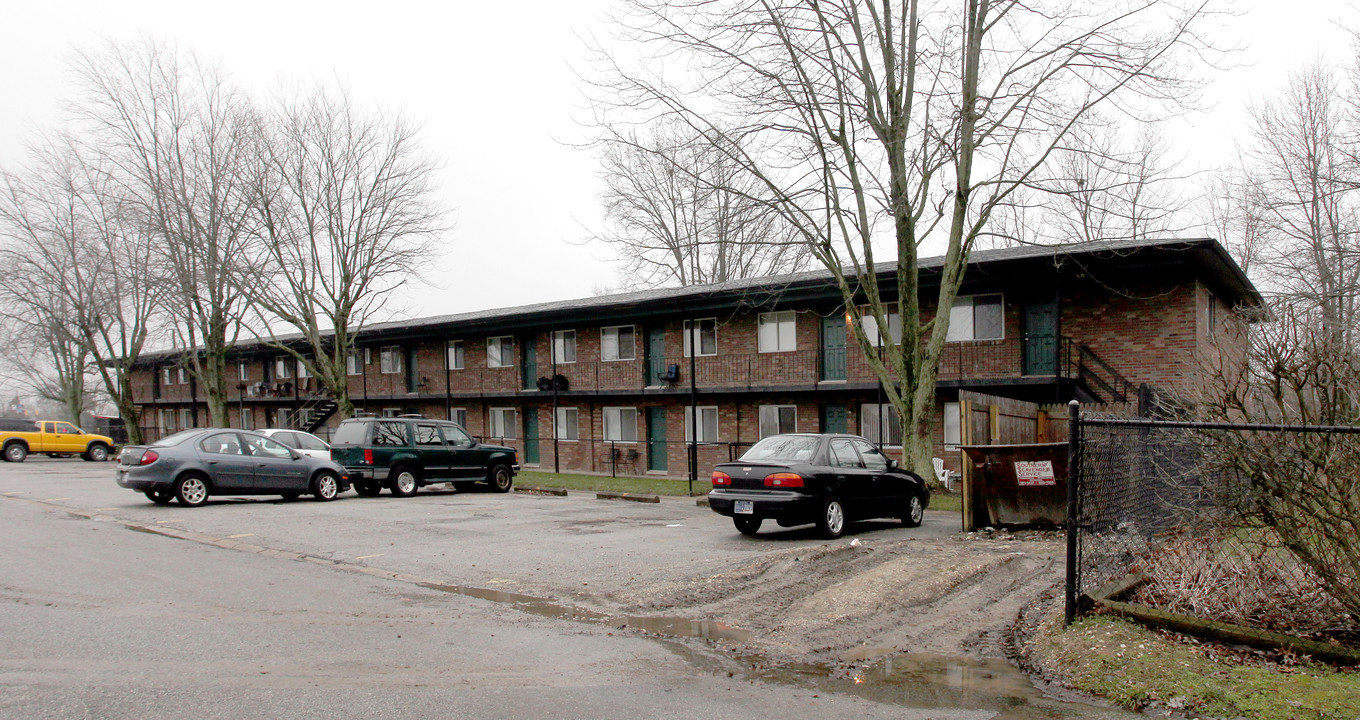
pixel 1041 337
pixel 656 439
pixel 833 347
pixel 531 436
pixel 835 419
pixel 528 363
pixel 654 357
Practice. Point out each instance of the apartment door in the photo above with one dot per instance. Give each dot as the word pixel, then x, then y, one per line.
pixel 1040 328
pixel 530 436
pixel 833 347
pixel 656 439
pixel 655 356
pixel 528 363
pixel 834 419
pixel 412 372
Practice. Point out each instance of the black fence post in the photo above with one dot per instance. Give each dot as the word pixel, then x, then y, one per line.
pixel 1073 481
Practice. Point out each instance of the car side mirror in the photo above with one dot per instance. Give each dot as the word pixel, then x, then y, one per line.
pixel 893 464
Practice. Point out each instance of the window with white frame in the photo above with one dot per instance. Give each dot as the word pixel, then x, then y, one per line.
pixel 389 360
pixel 1210 314
pixel 455 354
pixel 167 419
pixel 283 367
pixel 567 425
pixel 618 343
pixel 502 422
pixel 353 366
pixel 976 317
pixel 870 325
pixel 183 375
pixel 500 351
pixel 242 370
pixel 245 418
pixel 166 373
pixel 284 417
pixel 708 424
pixel 776 331
pixel 776 419
pixel 564 346
pixel 880 424
pixel 707 330
pixel 391 412
pixel 458 415
pixel 620 424
pixel 302 367
pixel 953 426
pixel 186 418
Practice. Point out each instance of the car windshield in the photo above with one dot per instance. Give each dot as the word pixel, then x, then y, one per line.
pixel 176 439
pixel 351 433
pixel 782 448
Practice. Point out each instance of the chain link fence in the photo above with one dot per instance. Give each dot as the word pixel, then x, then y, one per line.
pixel 1229 523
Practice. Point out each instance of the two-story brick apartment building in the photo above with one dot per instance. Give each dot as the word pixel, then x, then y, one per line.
pixel 610 384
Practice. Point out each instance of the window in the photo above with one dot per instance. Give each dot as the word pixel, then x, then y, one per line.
pixel 620 424
pixel 880 424
pixel 455 355
pixel 305 441
pixel 618 343
pixel 389 362
pixel 455 437
pixel 500 352
pixel 458 415
pixel 777 419
pixel 870 326
pixel 564 346
pixel 183 375
pixel 776 331
pixel 186 418
pixel 65 428
pixel 428 434
pixel 843 455
pixel 352 364
pixel 568 424
pixel 302 367
pixel 259 446
pixel 953 428
pixel 503 422
pixel 976 317
pixel 391 412
pixel 390 433
pixel 284 417
pixel 242 370
pixel 167 418
pixel 708 337
pixel 1211 315
pixel 873 458
pixel 282 367
pixel 221 444
pixel 166 375
pixel 245 419
pixel 708 425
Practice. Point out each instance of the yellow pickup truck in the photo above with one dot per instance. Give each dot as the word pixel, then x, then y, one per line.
pixel 54 437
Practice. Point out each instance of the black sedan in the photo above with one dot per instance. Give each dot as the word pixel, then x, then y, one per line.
pixel 816 478
pixel 191 465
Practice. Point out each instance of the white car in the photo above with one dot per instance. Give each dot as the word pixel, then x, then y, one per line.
pixel 303 442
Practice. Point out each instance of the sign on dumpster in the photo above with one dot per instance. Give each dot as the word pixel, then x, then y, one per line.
pixel 1034 472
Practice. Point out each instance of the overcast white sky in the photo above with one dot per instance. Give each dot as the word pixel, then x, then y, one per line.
pixel 495 86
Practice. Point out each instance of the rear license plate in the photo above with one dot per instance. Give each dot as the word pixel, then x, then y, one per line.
pixel 743 507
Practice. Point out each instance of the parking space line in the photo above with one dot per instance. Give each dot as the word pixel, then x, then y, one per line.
pixel 104 509
pixel 365 557
pixel 17 492
pixel 233 537
pixel 54 499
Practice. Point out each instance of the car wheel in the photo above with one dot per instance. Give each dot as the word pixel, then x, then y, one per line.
pixel 160 497
pixel 191 490
pixel 404 482
pixel 325 487
pixel 747 525
pixel 831 523
pixel 15 452
pixel 97 453
pixel 500 478
pixel 368 490
pixel 914 512
pixel 290 496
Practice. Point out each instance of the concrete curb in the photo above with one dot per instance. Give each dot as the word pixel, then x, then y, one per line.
pixel 627 496
pixel 560 492
pixel 701 502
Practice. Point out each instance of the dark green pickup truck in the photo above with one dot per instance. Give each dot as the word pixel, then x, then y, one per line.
pixel 404 453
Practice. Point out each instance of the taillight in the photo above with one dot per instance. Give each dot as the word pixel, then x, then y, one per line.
pixel 149 457
pixel 784 480
pixel 368 456
pixel 721 478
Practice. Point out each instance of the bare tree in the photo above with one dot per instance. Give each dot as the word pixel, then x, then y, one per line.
pixel 184 144
pixel 880 126
pixel 71 235
pixel 346 214
pixel 680 211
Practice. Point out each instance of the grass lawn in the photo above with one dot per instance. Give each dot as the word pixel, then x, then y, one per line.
pixel 1133 666
pixel 658 486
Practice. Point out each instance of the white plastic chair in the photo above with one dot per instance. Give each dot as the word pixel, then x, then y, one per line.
pixel 941 474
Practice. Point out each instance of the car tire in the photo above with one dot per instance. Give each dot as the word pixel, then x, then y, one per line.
pixel 160 497
pixel 15 452
pixel 325 487
pixel 405 482
pixel 831 521
pixel 98 452
pixel 366 490
pixel 290 496
pixel 914 511
pixel 500 478
pixel 747 525
pixel 191 490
